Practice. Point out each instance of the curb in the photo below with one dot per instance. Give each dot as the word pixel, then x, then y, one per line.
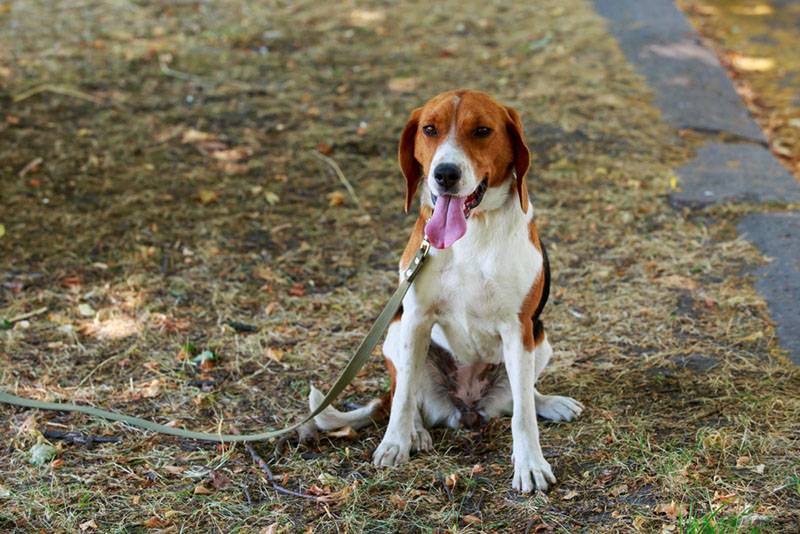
pixel 693 91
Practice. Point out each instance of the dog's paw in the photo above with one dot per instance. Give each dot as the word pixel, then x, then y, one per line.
pixel 558 408
pixel 531 473
pixel 421 439
pixel 391 452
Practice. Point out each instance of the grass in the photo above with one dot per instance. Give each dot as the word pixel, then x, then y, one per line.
pixel 171 202
pixel 713 522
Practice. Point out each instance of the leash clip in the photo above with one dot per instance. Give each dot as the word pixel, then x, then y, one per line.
pixel 416 263
pixel 425 247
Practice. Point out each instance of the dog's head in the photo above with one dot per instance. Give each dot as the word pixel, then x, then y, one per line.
pixel 471 152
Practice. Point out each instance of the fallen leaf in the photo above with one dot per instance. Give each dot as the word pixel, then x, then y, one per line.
pixel 155 522
pixel 195 136
pixel 274 354
pixel 111 328
pixel 202 490
pixel 209 147
pixel 703 9
pixel 174 469
pixel 471 520
pixel 755 336
pixel 29 426
pixel 271 198
pixel 671 509
pixel 206 196
pixel 206 360
pixel 57 463
pixel 88 525
pixel 782 149
pixel 403 85
pixel 725 498
pixel 365 18
pixel 752 11
pixel 618 490
pixel 2 230
pixel 187 351
pixel 41 453
pixel 316 490
pixel 231 154
pixel 325 148
pixel 297 290
pixel 570 495
pixel 152 389
pixel 476 470
pixel 232 168
pixel 398 501
pixel 263 272
pixel 86 310
pixel 752 64
pixel 271 529
pixel 71 281
pixel 219 480
pixel 347 432
pixel 678 282
pixel 336 198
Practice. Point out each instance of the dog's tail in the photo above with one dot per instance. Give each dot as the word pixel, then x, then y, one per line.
pixel 333 419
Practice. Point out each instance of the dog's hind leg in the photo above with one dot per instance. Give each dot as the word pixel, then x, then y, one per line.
pixel 553 407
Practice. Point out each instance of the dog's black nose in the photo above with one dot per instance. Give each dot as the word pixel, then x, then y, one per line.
pixel 446 176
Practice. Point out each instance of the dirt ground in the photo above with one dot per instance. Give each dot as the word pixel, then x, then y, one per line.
pixel 163 192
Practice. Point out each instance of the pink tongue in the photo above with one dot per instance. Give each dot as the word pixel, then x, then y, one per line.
pixel 448 223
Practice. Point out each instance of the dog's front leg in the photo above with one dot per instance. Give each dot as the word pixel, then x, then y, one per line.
pixel 531 470
pixel 408 359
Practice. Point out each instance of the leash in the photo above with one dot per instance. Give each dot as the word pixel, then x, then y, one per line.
pixel 358 360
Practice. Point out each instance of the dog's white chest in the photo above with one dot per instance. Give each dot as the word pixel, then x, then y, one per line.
pixel 480 289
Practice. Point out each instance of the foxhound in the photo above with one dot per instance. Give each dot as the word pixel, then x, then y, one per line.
pixel 469 342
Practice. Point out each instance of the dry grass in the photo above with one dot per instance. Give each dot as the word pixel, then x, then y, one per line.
pixel 140 234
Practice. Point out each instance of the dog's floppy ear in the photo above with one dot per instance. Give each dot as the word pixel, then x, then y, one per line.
pixel 522 156
pixel 412 170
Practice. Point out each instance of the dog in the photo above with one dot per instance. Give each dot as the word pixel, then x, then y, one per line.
pixel 468 343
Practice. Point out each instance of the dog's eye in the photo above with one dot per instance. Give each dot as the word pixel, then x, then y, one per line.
pixel 482 131
pixel 430 130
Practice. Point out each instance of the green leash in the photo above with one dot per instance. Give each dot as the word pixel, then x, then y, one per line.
pixel 358 360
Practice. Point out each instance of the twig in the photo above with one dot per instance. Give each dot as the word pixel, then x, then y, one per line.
pixel 28 315
pixel 529 526
pixel 101 364
pixel 446 488
pixel 271 479
pixel 31 165
pixel 166 70
pixel 58 89
pixel 185 76
pixel 80 439
pixel 342 177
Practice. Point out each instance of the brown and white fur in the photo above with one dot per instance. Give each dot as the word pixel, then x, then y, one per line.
pixel 469 343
